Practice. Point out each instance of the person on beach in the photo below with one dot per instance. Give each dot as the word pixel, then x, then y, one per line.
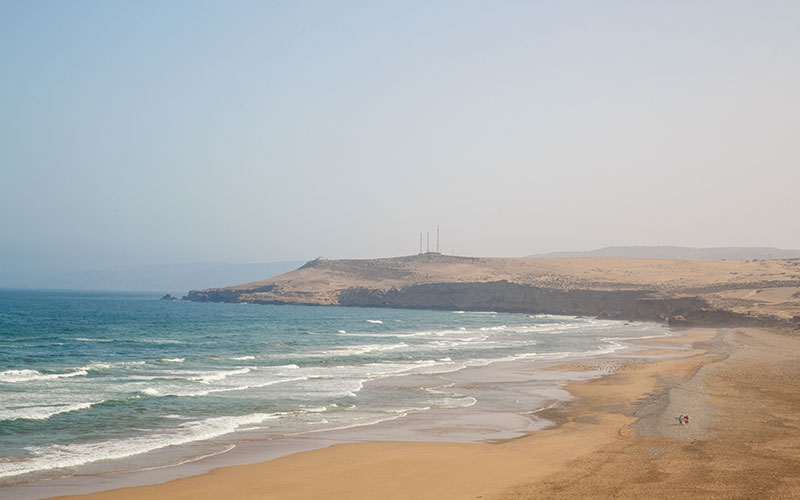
pixel 680 420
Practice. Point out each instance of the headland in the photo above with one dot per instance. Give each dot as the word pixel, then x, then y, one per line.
pixel 732 367
pixel 763 293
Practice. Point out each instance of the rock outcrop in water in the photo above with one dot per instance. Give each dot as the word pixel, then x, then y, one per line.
pixel 691 292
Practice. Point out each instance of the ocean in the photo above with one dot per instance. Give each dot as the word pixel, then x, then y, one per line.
pixel 101 382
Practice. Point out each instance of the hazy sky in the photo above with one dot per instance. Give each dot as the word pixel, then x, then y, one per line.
pixel 162 132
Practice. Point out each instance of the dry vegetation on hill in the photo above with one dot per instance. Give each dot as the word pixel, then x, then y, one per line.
pixel 762 291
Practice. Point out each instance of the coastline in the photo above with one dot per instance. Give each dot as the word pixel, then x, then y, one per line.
pixel 441 389
pixel 680 292
pixel 645 355
pixel 511 394
pixel 618 439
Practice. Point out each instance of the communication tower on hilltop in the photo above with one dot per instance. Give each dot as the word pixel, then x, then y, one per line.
pixel 428 243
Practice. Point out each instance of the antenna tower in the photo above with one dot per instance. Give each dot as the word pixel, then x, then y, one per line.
pixel 437 239
pixel 428 244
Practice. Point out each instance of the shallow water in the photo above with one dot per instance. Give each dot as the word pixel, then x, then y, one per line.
pixel 105 382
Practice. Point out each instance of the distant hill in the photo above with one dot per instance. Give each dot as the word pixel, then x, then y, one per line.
pixel 700 292
pixel 176 279
pixel 665 252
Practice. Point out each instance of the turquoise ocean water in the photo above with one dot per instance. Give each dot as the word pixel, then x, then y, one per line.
pixel 94 382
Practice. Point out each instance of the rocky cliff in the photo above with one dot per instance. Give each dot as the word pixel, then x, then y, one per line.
pixel 677 291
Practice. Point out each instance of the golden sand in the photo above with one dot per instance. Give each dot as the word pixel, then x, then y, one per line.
pixel 619 441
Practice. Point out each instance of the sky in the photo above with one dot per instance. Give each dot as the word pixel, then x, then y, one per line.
pixel 148 132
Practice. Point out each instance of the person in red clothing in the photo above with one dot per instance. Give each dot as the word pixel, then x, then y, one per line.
pixel 686 419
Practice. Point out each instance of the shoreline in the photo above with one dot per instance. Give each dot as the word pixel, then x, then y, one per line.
pixel 535 388
pixel 619 439
pixel 419 427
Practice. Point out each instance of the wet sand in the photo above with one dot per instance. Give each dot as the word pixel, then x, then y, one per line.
pixel 618 439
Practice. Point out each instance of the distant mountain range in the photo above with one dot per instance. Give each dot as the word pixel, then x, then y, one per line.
pixel 665 252
pixel 177 279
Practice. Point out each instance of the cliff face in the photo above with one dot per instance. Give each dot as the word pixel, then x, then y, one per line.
pixel 510 297
pixel 680 292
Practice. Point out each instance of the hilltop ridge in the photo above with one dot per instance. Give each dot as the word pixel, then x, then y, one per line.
pixel 673 290
pixel 673 252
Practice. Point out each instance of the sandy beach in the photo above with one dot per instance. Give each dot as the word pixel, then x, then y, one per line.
pixel 442 250
pixel 618 439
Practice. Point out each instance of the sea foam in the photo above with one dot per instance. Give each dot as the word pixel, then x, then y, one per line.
pixel 73 455
pixel 42 412
pixel 16 376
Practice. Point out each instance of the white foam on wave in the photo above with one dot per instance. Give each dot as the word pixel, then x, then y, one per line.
pixel 324 379
pixel 613 344
pixel 96 365
pixel 323 386
pixel 421 367
pixel 456 402
pixel 173 360
pixel 446 332
pixel 336 381
pixel 318 409
pixel 460 342
pixel 203 377
pixel 377 335
pixel 355 350
pixel 420 333
pixel 75 455
pixel 375 321
pixel 170 391
pixel 16 376
pixel 131 363
pixel 42 412
pixel 364 349
pixel 86 339
pixel 438 389
pixel 665 333
pixel 382 416
pixel 215 376
pixel 612 347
